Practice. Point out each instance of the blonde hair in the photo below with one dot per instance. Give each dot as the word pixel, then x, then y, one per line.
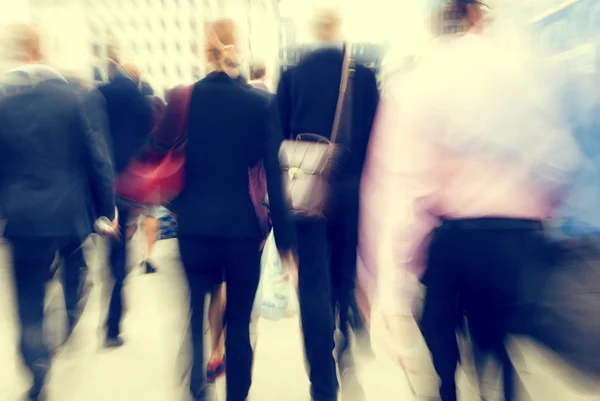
pixel 221 51
pixel 23 42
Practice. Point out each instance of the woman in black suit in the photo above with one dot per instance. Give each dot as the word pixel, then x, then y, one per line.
pixel 230 129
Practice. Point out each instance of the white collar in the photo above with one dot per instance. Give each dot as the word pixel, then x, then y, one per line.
pixel 334 44
pixel 37 73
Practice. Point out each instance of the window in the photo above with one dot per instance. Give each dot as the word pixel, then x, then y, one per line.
pixel 164 69
pixel 149 45
pixel 164 46
pixel 163 23
pixel 178 46
pixel 179 72
pixel 195 72
pixel 97 74
pixel 177 22
pixel 96 50
pixel 193 25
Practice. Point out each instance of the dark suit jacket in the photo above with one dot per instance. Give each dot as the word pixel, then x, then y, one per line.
pixel 56 174
pixel 130 117
pixel 231 127
pixel 307 96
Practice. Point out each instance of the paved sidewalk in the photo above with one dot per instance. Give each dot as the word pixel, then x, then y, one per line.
pixel 148 367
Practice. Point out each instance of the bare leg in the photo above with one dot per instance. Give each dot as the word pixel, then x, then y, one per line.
pixel 216 310
pixel 151 227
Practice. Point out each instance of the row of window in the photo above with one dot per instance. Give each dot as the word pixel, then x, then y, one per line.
pixel 150 47
pixel 452 29
pixel 97 74
pixel 150 69
pixel 149 2
pixel 120 24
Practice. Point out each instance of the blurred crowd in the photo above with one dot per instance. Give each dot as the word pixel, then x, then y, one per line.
pixel 463 202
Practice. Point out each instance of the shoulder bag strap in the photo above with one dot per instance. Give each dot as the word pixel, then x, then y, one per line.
pixel 183 104
pixel 171 131
pixel 344 100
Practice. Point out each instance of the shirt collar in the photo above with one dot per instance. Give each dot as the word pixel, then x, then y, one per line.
pixel 336 44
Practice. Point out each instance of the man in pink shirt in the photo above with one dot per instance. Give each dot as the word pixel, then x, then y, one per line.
pixel 466 160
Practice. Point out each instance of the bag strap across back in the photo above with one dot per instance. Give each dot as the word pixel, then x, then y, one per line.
pixel 171 131
pixel 343 113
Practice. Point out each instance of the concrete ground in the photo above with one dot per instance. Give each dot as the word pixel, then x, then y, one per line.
pixel 149 366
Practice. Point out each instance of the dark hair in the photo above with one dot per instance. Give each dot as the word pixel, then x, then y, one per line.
pixel 257 70
pixel 462 5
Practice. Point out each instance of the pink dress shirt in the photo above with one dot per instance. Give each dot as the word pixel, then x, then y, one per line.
pixel 471 132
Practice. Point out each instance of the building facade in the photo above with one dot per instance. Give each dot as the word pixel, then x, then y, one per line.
pixel 164 38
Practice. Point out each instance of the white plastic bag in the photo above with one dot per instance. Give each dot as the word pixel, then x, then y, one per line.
pixel 274 289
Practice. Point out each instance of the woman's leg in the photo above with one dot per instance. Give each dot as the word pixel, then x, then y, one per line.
pixel 151 231
pixel 242 273
pixel 201 259
pixel 216 310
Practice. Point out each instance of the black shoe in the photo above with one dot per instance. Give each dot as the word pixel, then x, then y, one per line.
pixel 113 342
pixel 149 268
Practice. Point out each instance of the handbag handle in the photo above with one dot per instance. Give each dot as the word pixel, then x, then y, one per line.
pixel 347 70
pixel 312 138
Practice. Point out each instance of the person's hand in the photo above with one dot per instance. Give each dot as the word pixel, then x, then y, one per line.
pixel 108 228
pixel 289 262
pixel 115 228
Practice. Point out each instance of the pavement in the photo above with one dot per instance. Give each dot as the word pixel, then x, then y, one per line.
pixel 149 367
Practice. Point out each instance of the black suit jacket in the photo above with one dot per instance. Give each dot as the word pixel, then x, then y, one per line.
pixel 130 117
pixel 231 127
pixel 56 174
pixel 307 96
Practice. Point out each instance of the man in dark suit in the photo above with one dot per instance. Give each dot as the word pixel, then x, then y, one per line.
pixel 307 97
pixel 56 177
pixel 131 120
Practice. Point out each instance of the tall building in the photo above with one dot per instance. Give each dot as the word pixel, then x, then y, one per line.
pixel 165 38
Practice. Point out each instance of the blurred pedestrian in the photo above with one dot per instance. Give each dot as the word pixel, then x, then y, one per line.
pixel 308 97
pixel 469 155
pixel 57 177
pixel 230 130
pixel 130 121
pixel 258 74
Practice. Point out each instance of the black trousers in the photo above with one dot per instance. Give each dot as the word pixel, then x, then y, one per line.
pixel 316 312
pixel 32 261
pixel 480 261
pixel 343 240
pixel 118 268
pixel 206 261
